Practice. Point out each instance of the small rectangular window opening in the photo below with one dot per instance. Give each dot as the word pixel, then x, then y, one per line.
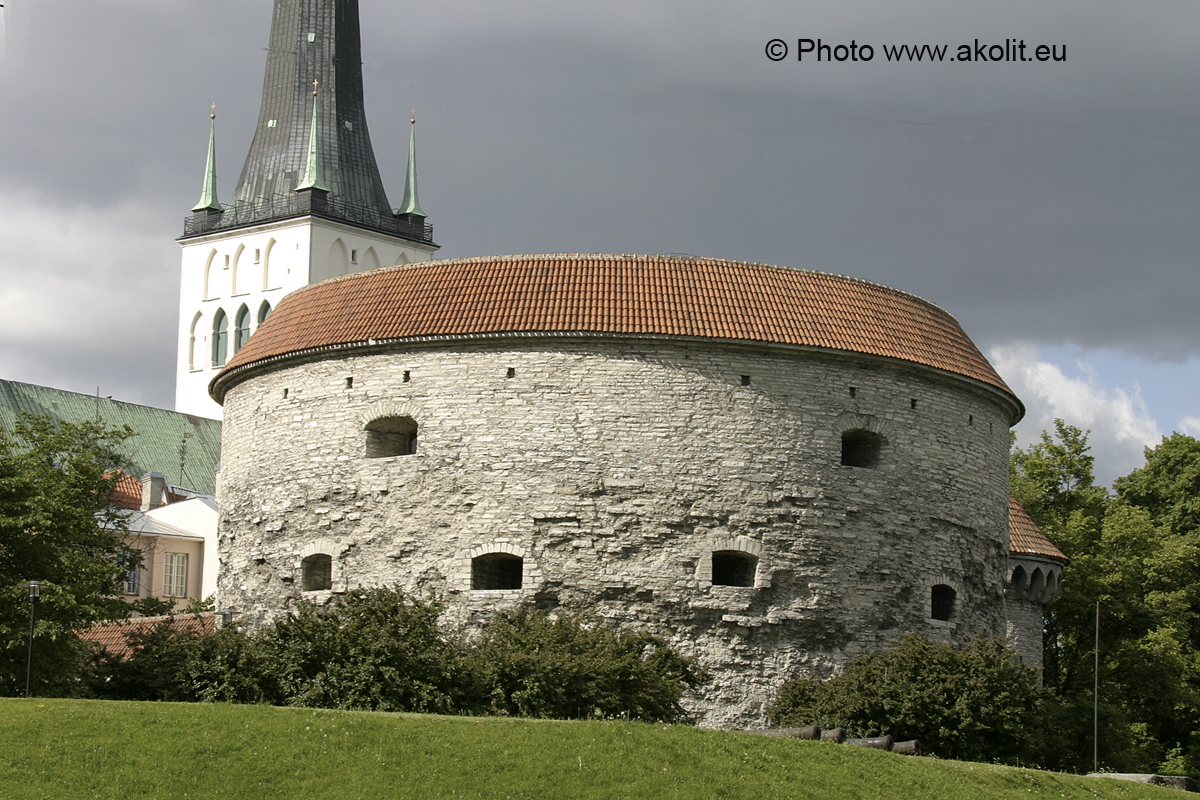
pixel 353 256
pixel 853 392
pixel 914 402
pixel 745 380
pixel 285 394
pixel 257 255
pixel 512 373
pixel 407 376
pixel 350 383
pixel 970 419
pixel 227 261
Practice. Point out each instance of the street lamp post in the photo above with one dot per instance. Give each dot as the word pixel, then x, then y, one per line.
pixel 1096 698
pixel 34 597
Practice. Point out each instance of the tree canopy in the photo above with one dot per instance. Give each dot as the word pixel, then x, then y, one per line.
pixel 1138 555
pixel 56 527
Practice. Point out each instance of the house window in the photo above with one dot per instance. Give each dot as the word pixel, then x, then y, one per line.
pixel 175 568
pixel 241 329
pixel 861 448
pixel 941 602
pixel 391 436
pixel 733 568
pixel 128 561
pixel 220 339
pixel 316 573
pixel 263 311
pixel 496 571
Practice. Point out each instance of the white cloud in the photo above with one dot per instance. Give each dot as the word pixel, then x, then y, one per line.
pixel 1190 426
pixel 1121 426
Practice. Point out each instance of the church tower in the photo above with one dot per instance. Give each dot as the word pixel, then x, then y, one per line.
pixel 309 203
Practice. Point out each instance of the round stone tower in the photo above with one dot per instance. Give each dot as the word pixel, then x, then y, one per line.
pixel 774 469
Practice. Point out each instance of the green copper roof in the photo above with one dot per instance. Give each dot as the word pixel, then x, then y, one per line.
pixel 208 195
pixel 160 433
pixel 410 204
pixel 314 176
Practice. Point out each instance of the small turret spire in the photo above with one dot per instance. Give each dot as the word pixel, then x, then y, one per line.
pixel 208 195
pixel 410 204
pixel 314 175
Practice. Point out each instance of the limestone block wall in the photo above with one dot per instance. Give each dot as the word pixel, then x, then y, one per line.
pixel 614 469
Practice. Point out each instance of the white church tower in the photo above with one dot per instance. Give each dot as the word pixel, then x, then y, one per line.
pixel 309 204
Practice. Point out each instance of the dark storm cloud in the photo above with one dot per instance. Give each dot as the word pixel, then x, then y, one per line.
pixel 1044 203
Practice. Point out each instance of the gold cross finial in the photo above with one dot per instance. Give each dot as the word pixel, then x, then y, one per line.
pixel 213 115
pixel 414 117
pixel 314 87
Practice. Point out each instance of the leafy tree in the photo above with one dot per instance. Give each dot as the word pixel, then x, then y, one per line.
pixel 1136 555
pixel 56 527
pixel 572 666
pixel 1052 480
pixel 1168 486
pixel 977 703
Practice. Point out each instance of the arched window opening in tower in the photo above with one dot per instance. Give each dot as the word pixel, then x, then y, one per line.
pixel 861 448
pixel 241 328
pixel 316 573
pixel 733 568
pixel 391 436
pixel 263 311
pixel 220 339
pixel 192 342
pixel 496 571
pixel 941 602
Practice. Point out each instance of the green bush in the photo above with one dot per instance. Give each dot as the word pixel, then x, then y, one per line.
pixel 372 649
pixel 975 704
pixel 376 649
pixel 571 667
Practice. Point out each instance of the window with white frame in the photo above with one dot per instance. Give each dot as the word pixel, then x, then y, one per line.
pixel 129 574
pixel 175 566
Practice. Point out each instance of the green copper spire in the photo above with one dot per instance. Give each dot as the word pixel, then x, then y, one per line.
pixel 208 195
pixel 314 176
pixel 410 204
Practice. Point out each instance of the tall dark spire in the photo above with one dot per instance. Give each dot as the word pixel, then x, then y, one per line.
pixel 313 40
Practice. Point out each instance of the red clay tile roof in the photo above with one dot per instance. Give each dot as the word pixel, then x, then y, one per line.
pixel 615 294
pixel 114 636
pixel 1025 537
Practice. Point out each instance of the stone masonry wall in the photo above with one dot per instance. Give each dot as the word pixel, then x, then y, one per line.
pixel 614 468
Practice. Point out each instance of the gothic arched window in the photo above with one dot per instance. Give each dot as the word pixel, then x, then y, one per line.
pixel 263 311
pixel 220 339
pixel 241 328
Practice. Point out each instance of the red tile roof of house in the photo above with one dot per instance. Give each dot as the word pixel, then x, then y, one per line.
pixel 114 636
pixel 1025 537
pixel 660 296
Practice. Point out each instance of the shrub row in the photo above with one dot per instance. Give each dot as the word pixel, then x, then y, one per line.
pixel 376 649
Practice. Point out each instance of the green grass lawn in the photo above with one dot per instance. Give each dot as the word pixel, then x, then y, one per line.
pixel 92 749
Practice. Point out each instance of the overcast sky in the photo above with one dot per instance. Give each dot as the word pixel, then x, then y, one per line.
pixel 1053 207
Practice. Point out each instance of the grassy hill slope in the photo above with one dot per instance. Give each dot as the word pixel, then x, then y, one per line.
pixel 87 749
